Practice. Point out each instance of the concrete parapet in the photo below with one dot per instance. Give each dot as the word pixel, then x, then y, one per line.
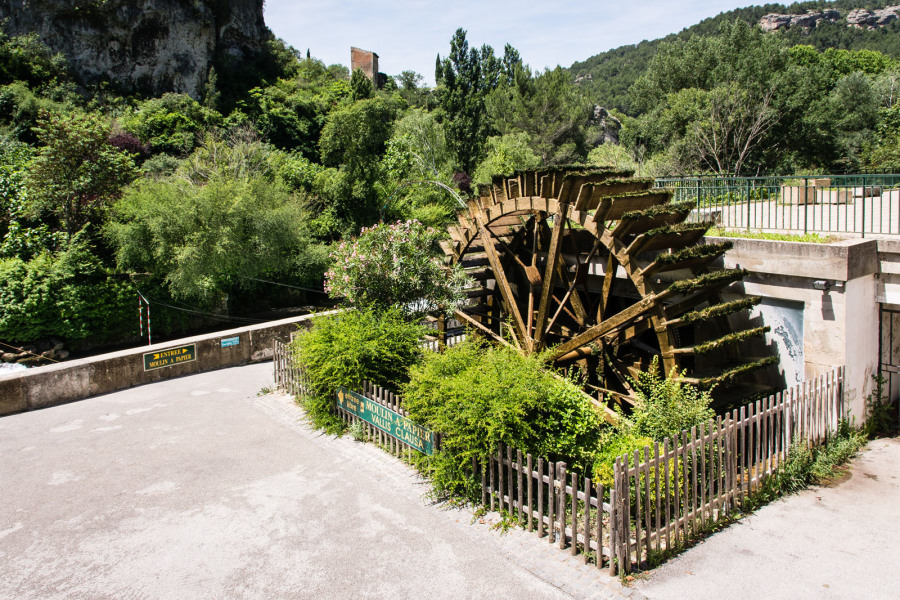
pixel 86 377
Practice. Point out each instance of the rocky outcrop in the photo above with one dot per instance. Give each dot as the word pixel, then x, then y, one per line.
pixel 860 17
pixel 775 21
pixel 607 125
pixel 870 19
pixel 145 46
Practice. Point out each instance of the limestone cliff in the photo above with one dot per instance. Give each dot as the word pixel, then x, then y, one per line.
pixel 145 46
pixel 860 18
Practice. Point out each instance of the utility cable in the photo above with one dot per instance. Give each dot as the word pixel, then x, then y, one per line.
pixel 295 287
pixel 204 313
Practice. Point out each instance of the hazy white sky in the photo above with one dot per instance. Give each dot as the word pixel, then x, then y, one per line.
pixel 408 35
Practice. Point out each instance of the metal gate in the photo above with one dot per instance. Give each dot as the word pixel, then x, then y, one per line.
pixel 889 350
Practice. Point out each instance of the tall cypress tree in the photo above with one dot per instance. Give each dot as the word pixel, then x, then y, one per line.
pixel 464 78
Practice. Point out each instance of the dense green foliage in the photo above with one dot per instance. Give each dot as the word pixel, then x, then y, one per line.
pixel 664 407
pixel 68 294
pixel 350 348
pixel 478 396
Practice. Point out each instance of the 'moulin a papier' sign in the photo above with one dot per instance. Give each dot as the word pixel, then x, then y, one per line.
pixel 385 419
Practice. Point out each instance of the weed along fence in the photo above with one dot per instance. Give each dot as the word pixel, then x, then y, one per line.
pixel 662 496
pixel 838 204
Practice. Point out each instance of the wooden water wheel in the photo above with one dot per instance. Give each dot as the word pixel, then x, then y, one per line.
pixel 603 272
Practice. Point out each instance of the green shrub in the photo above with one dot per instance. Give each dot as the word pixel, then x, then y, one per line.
pixel 614 444
pixel 349 348
pixel 396 265
pixel 667 405
pixel 477 396
pixel 68 295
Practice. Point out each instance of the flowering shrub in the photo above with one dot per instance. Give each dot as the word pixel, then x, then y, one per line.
pixel 395 265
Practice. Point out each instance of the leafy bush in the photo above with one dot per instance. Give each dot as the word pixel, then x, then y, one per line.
pixel 67 295
pixel 395 265
pixel 349 348
pixel 172 123
pixel 235 230
pixel 667 405
pixel 478 396
pixel 664 406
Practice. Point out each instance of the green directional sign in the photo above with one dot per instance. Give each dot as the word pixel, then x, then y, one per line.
pixel 169 356
pixel 386 420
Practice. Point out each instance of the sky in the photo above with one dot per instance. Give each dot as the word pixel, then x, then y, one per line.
pixel 408 35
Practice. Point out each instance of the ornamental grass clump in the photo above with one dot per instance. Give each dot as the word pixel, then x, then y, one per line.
pixel 396 265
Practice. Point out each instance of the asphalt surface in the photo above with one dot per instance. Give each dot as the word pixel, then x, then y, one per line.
pixel 827 543
pixel 188 489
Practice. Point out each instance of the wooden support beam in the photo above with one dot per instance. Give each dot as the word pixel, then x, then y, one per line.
pixel 631 313
pixel 466 318
pixel 550 271
pixel 505 289
pixel 611 267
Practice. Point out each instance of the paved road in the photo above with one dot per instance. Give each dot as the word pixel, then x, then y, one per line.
pixel 831 543
pixel 189 489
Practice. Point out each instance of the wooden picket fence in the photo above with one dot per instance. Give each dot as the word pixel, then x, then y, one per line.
pixel 673 492
pixel 541 496
pixel 288 375
pixel 662 496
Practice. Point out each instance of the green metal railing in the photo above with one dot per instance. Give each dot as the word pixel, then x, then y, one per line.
pixel 841 204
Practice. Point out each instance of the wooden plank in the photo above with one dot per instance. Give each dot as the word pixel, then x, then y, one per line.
pixel 631 313
pixel 550 270
pixel 609 276
pixel 693 474
pixel 657 525
pixel 551 501
pixel 587 521
pixel 574 478
pixel 624 504
pixel 722 478
pixel 510 506
pixel 638 513
pixel 540 496
pixel 530 490
pixel 702 475
pixel 599 561
pixel 503 283
pixel 561 475
pixel 501 472
pixel 667 489
pixel 519 485
pixel 678 505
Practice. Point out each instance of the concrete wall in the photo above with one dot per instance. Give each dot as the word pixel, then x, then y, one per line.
pixel 86 377
pixel 840 324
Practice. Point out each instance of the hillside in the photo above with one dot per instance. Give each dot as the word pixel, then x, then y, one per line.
pixel 608 76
